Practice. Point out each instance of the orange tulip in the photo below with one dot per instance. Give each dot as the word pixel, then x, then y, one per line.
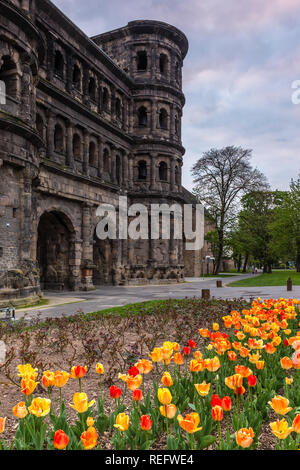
pixel 99 369
pixel 196 365
pixel 61 377
pixel 89 438
pixel 213 364
pixel 190 422
pixel 234 381
pixel 78 372
pixel 61 440
pixel 270 348
pixel 178 358
pixel 2 425
pixel 231 355
pixel 296 424
pixel 20 410
pixel 146 423
pixel 28 386
pixel 133 383
pixel 203 389
pixel 167 380
pixel 280 405
pixel 48 379
pixel 144 366
pixel 155 356
pixel 168 411
pixel 244 437
pixel 243 371
pixel 286 363
pixel 217 413
pixel 27 371
pixel 260 365
pixel 40 407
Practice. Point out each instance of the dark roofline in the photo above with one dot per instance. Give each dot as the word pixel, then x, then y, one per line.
pixel 147 26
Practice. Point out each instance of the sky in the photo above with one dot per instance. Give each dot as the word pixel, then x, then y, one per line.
pixel 244 56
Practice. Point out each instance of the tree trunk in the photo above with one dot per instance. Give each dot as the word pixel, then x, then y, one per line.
pixel 239 264
pixel 298 257
pixel 245 263
pixel 220 252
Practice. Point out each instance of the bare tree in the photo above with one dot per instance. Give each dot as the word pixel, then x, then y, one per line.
pixel 222 177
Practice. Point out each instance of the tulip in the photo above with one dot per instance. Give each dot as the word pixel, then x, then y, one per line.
pixel 156 355
pixel 81 404
pixel 231 355
pixel 244 437
pixel 289 380
pixel 190 422
pixel 168 411
pixel 61 440
pixel 178 358
pixel 280 405
pixel 20 410
pixel 243 371
pixel 90 422
pixel 99 368
pixel 61 377
pixel 40 407
pixel 260 365
pixel 234 381
pixel 281 429
pixel 215 400
pixel 216 326
pixel 240 390
pixel 137 395
pixel 2 425
pixel 217 413
pixel 286 363
pixel 122 422
pixel 192 344
pixel 213 364
pixel 78 372
pixel 133 371
pixel 28 386
pixel 133 383
pixel 196 365
pixel 270 348
pixel 89 438
pixel 146 423
pixel 186 351
pixel 27 371
pixel 226 403
pixel 252 381
pixel 296 424
pixel 203 389
pixel 48 379
pixel 167 380
pixel 144 366
pixel 115 392
pixel 164 396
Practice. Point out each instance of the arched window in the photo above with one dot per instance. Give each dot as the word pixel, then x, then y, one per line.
pixel 142 116
pixel 118 108
pixel 163 64
pixel 105 99
pixel 92 154
pixel 106 161
pixel 176 125
pixel 163 119
pixel 59 64
pixel 9 79
pixel 77 147
pixel 163 171
pixel 142 61
pixel 92 89
pixel 39 122
pixel 177 72
pixel 58 138
pixel 142 167
pixel 77 77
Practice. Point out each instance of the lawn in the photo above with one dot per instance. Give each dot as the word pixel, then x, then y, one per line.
pixel 277 278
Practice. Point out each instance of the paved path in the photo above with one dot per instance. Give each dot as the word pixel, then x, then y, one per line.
pixel 70 303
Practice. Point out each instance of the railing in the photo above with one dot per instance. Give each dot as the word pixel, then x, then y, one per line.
pixel 10 314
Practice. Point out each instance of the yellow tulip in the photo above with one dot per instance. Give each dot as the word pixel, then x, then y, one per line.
pixel 40 407
pixel 81 404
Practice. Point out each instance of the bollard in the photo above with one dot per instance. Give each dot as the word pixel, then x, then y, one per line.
pixel 289 284
pixel 205 294
pixel 219 284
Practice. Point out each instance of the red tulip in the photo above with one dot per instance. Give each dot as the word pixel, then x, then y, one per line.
pixel 226 403
pixel 186 351
pixel 146 423
pixel 133 371
pixel 252 380
pixel 115 392
pixel 216 400
pixel 192 344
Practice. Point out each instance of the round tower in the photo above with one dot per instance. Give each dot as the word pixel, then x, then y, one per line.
pixel 21 48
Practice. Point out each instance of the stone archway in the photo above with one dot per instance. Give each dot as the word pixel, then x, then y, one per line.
pixel 55 247
pixel 103 260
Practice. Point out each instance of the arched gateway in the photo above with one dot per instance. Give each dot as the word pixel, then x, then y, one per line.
pixel 55 251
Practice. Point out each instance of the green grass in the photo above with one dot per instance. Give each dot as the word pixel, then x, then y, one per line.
pixel 40 303
pixel 277 278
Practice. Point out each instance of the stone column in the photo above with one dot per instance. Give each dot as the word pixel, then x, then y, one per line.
pixel 87 248
pixel 153 117
pixel 70 158
pixel 86 142
pixel 125 169
pixel 85 86
pixel 172 122
pixel 113 166
pixel 26 90
pixel 153 171
pixel 130 170
pixel 50 134
pixel 69 84
pixel 172 179
pixel 100 157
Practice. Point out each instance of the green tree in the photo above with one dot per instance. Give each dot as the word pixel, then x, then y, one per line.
pixel 285 228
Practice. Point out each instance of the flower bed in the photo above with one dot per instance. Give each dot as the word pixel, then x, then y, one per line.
pixel 226 387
